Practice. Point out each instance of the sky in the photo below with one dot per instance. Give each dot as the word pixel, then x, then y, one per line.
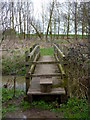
pixel 38 3
pixel 38 6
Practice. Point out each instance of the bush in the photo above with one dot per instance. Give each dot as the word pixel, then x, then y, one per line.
pixel 75 108
pixel 16 63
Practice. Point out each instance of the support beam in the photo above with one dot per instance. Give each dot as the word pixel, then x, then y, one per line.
pixel 46 62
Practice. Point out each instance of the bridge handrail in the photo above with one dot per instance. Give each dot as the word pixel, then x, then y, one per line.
pixel 35 50
pixel 31 55
pixel 58 49
pixel 59 56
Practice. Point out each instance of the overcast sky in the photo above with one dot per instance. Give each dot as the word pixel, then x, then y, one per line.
pixel 38 6
pixel 38 3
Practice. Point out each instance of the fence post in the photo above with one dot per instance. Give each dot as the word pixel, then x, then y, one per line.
pixel 27 70
pixel 27 82
pixel 26 56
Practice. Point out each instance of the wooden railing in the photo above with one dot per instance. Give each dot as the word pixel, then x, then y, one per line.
pixel 31 56
pixel 59 56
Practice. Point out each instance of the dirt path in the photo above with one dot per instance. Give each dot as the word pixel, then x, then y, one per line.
pixel 34 113
pixel 30 112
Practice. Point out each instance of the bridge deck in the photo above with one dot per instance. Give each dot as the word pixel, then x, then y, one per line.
pixel 45 69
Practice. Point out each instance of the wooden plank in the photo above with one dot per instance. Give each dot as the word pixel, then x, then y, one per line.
pixel 55 91
pixel 45 75
pixel 46 62
pixel 46 81
pixel 46 85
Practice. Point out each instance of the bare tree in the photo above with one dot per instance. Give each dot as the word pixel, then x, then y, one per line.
pixel 43 17
pixel 75 22
pixel 82 18
pixel 68 19
pixel 50 17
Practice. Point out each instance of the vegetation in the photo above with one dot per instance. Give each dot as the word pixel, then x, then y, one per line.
pixel 25 105
pixel 17 62
pixel 58 24
pixel 14 64
pixel 43 105
pixel 7 95
pixel 46 51
pixel 74 108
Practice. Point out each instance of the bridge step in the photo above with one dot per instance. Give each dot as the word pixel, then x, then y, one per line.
pixel 45 75
pixel 45 82
pixel 55 91
pixel 46 85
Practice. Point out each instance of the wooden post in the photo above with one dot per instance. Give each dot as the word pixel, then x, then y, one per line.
pixel 26 56
pixel 58 52
pixel 14 84
pixel 34 46
pixel 30 49
pixel 27 83
pixel 27 69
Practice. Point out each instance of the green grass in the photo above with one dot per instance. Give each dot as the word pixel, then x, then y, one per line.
pixel 75 108
pixel 42 105
pixel 7 95
pixel 46 51
pixel 25 105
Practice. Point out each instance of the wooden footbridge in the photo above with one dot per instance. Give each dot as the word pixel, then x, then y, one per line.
pixel 45 75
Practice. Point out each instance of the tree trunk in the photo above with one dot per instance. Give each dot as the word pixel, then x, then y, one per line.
pixel 54 27
pixel 51 32
pixel 68 21
pixel 76 20
pixel 27 21
pixel 58 25
pixel 12 15
pixel 51 12
pixel 20 21
pixel 24 26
